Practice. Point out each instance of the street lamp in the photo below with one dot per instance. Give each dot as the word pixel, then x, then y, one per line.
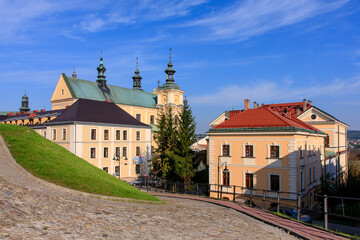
pixel 117 158
pixel 225 170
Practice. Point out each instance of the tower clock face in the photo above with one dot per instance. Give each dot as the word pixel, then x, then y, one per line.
pixel 313 117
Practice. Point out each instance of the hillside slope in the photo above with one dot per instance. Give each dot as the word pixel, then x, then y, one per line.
pixel 51 162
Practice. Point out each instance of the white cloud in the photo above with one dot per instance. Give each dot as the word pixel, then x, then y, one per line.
pixel 267 92
pixel 129 12
pixel 250 18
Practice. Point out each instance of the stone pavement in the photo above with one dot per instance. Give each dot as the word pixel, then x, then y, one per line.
pixel 34 209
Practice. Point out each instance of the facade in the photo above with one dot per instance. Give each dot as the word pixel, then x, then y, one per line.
pixel 104 135
pixel 273 148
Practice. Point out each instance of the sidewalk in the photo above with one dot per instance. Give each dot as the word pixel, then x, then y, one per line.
pixel 296 228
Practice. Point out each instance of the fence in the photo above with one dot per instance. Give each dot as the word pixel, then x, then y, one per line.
pixel 321 206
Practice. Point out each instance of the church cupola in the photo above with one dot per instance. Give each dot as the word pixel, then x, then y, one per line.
pixel 24 104
pixel 101 78
pixel 137 78
pixel 170 71
pixel 74 73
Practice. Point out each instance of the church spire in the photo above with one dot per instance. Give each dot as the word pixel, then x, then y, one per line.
pixel 170 71
pixel 101 78
pixel 24 103
pixel 137 78
pixel 74 73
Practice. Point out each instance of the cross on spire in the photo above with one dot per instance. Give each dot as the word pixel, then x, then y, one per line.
pixel 158 82
pixel 170 55
pixel 137 62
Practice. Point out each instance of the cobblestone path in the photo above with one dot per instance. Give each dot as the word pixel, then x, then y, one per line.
pixel 33 209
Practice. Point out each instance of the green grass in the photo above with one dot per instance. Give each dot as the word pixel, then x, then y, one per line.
pixel 51 162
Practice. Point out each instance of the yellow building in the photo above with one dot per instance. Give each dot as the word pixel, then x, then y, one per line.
pixel 273 148
pixel 142 105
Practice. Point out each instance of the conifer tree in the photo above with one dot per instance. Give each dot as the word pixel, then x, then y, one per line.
pixel 183 158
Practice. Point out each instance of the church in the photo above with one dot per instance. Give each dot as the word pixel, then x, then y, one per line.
pixel 111 127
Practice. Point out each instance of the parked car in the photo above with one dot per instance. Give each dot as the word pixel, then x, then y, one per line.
pixel 292 213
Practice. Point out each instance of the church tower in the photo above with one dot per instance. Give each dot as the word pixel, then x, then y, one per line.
pixel 137 78
pixel 24 104
pixel 169 94
pixel 101 78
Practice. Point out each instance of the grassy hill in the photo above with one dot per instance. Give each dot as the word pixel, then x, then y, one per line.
pixel 48 161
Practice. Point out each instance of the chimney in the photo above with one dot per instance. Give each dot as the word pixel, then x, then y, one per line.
pixel 297 111
pixel 42 110
pixel 304 105
pixel 35 111
pixel 67 106
pixel 309 102
pixel 246 104
pixel 255 105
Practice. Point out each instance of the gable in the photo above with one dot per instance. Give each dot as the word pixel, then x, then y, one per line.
pixel 61 91
pixel 220 119
pixel 321 117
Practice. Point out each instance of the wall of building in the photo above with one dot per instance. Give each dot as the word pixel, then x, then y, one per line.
pixel 78 141
pixel 288 166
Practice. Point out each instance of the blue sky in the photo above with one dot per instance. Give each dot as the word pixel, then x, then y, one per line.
pixel 269 51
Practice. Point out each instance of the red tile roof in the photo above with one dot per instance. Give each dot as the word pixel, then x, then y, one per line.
pixel 263 117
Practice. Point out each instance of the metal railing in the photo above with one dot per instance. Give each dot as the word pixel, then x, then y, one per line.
pixel 321 206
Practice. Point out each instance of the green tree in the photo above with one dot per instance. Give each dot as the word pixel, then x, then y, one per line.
pixel 183 155
pixel 165 139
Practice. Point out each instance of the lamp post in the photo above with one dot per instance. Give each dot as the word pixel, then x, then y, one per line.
pixel 220 166
pixel 117 158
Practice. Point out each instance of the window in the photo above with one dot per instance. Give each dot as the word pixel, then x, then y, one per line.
pixel 117 168
pixel 301 152
pixel 310 175
pixel 54 134
pixel 226 177
pixel 106 152
pixel 124 152
pixel 152 119
pixel 138 135
pixel 64 134
pixel 176 120
pixel 137 151
pixel 44 134
pixel 327 141
pixel 249 180
pixel 137 169
pixel 314 176
pixel 106 134
pixel 106 169
pixel 138 117
pixel 249 151
pixel 117 134
pixel 274 182
pixel 92 152
pixel 274 151
pixel 124 135
pixel 117 151
pixel 226 150
pixel 93 134
pixel 62 91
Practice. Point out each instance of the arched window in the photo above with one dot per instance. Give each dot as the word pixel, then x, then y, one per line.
pixel 176 120
pixel 152 119
pixel 138 117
